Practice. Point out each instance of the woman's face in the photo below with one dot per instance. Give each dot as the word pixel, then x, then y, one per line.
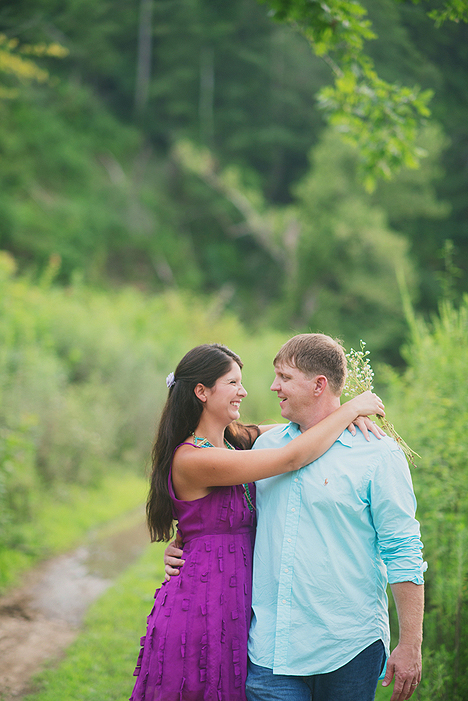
pixel 224 398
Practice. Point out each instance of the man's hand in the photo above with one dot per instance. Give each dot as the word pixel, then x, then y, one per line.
pixel 404 664
pixel 173 560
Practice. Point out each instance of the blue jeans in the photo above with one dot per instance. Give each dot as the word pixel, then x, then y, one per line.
pixel 355 681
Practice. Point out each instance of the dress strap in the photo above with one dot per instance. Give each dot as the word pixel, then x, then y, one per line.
pixel 185 443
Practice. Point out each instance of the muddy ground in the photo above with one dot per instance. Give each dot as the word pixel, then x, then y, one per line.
pixel 39 619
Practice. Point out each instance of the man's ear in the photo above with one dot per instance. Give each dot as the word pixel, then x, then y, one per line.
pixel 320 385
pixel 200 392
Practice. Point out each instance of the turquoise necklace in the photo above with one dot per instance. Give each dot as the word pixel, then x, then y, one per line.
pixel 205 443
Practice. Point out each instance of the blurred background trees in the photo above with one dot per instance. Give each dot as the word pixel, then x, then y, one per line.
pixel 90 171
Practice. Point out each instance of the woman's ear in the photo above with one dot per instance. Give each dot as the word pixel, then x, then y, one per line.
pixel 200 392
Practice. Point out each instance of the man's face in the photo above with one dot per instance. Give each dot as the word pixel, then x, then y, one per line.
pixel 295 392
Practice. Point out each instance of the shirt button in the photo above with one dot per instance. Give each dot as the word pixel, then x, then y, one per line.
pixel 286 570
pixel 296 480
pixel 284 601
pixel 289 540
pixel 293 509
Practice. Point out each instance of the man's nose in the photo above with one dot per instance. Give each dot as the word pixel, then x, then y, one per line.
pixel 275 386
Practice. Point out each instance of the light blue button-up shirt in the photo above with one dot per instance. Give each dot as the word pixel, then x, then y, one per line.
pixel 330 536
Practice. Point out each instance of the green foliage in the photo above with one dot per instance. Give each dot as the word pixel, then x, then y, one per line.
pixel 382 119
pixel 196 83
pixel 436 57
pixel 429 406
pixel 412 195
pixel 63 188
pixel 346 253
pixel 81 384
pixel 454 10
pixel 341 24
pixel 222 74
pixel 16 68
pixel 86 176
pixel 57 520
pixel 334 248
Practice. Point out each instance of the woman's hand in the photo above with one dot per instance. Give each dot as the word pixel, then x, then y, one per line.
pixel 367 403
pixel 365 425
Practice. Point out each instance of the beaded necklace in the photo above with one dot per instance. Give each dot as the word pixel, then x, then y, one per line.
pixel 204 442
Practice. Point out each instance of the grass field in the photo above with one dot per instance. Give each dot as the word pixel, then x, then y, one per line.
pixel 99 665
pixel 63 521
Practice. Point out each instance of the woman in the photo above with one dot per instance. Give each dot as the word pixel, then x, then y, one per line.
pixel 196 641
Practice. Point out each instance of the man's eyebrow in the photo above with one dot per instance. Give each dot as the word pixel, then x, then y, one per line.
pixel 283 372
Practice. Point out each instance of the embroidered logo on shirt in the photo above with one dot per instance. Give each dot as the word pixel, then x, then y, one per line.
pixel 326 481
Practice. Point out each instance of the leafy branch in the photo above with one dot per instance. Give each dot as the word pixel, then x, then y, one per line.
pixel 360 379
pixel 381 119
pixel 15 65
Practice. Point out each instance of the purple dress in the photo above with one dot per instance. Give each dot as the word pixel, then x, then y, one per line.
pixel 195 648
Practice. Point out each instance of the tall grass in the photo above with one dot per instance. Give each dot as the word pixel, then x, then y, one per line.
pixel 429 404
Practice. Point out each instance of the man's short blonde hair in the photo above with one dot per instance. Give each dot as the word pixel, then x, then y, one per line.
pixel 316 354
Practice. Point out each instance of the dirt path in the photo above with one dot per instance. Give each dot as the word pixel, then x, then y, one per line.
pixel 42 617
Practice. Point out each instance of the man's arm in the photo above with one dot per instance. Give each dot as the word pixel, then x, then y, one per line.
pixel 393 507
pixel 405 661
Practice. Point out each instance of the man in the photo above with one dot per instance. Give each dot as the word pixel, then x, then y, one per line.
pixel 329 538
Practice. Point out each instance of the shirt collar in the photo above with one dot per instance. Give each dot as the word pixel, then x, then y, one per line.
pixel 293 431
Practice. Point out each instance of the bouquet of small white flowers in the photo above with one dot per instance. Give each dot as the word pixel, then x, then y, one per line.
pixel 360 378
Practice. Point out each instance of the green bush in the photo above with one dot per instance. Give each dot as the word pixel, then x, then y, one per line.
pixel 82 379
pixel 430 410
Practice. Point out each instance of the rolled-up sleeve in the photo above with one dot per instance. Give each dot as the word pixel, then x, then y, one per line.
pixel 393 508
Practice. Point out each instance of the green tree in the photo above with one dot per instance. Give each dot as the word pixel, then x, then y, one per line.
pixel 88 177
pixel 443 62
pixel 335 258
pixel 18 69
pixel 222 74
pixel 348 256
pixel 379 117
